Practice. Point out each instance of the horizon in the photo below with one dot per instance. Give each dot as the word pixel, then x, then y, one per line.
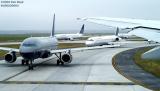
pixel 38 14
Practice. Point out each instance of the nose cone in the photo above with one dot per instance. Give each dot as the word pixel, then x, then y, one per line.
pixel 27 52
pixel 89 43
pixel 28 48
pixel 24 49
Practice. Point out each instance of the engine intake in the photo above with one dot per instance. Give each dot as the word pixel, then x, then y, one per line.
pixel 10 57
pixel 117 39
pixel 66 58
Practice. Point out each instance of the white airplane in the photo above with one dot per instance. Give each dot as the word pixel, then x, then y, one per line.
pixel 148 29
pixel 42 47
pixel 70 36
pixel 103 40
pixel 125 35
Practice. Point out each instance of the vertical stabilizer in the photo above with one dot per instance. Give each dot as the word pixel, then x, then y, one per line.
pixel 82 29
pixel 117 32
pixel 53 27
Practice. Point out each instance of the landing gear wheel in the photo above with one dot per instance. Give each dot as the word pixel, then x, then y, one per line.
pixel 30 67
pixel 58 62
pixel 62 63
pixel 23 62
pixel 27 62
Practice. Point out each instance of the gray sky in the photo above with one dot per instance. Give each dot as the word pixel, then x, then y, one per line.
pixel 38 14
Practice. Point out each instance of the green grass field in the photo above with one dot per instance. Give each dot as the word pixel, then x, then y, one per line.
pixel 152 66
pixel 17 37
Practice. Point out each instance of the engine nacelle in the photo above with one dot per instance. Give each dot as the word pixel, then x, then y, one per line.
pixel 10 57
pixel 66 58
pixel 117 39
pixel 46 54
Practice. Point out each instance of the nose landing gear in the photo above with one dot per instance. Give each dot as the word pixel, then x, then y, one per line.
pixel 30 67
pixel 27 62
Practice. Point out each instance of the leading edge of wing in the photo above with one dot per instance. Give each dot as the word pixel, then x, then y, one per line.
pixel 9 49
pixel 114 22
pixel 84 48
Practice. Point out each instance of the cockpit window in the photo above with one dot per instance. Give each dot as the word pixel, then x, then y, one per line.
pixel 29 45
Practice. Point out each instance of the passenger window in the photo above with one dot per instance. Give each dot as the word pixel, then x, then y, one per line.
pixel 29 45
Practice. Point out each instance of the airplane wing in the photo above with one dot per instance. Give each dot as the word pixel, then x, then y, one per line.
pixel 64 50
pixel 83 48
pixel 9 49
pixel 148 29
pixel 112 22
pixel 153 35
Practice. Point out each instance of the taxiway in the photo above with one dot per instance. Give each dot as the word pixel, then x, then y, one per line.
pixel 91 70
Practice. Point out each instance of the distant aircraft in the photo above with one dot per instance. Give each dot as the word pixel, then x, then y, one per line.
pixel 148 29
pixel 103 40
pixel 41 47
pixel 125 35
pixel 70 36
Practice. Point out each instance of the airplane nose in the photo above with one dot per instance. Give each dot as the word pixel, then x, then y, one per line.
pixel 28 56
pixel 28 53
pixel 89 43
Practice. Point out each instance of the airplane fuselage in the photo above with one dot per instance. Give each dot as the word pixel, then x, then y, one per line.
pixel 102 40
pixel 37 47
pixel 68 36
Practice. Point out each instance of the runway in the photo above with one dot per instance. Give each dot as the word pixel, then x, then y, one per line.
pixel 90 70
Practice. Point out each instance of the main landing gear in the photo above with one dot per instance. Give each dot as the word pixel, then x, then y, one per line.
pixel 59 61
pixel 25 62
pixel 28 62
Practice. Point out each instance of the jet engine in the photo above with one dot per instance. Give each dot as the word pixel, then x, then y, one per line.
pixel 46 54
pixel 66 58
pixel 117 39
pixel 10 57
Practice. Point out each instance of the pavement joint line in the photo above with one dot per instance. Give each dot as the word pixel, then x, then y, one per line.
pixel 66 83
pixel 24 71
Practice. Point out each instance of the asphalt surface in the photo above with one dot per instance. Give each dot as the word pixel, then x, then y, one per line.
pixel 125 64
pixel 90 70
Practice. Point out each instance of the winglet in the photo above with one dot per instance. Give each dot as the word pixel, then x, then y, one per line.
pixel 53 27
pixel 117 31
pixel 82 29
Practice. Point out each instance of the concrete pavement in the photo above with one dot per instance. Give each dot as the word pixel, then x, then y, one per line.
pixel 90 70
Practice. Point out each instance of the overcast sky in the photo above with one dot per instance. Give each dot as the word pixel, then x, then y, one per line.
pixel 38 14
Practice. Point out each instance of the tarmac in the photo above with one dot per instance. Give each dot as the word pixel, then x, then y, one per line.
pixel 125 65
pixel 90 70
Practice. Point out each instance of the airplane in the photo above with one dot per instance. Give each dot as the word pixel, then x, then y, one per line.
pixel 125 35
pixel 42 47
pixel 148 29
pixel 103 40
pixel 70 36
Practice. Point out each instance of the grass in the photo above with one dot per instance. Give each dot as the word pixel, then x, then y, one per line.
pixel 17 37
pixel 70 45
pixel 12 38
pixel 151 66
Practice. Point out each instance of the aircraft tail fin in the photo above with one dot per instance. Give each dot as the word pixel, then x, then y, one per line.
pixel 117 32
pixel 82 29
pixel 53 27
